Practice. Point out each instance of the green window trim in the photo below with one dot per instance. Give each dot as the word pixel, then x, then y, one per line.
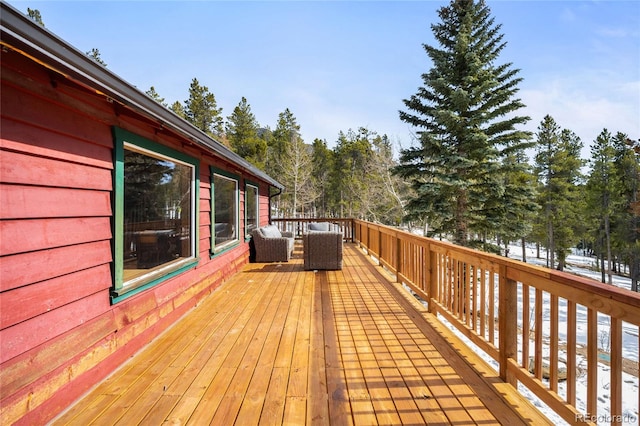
pixel 232 241
pixel 249 184
pixel 127 143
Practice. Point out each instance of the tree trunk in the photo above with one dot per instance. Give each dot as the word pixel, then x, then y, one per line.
pixel 524 251
pixel 551 248
pixel 607 235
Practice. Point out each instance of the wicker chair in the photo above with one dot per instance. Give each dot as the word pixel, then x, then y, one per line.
pixel 322 250
pixel 271 245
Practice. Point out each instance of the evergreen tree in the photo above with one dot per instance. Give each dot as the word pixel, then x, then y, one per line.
pixel 350 183
pixel 178 109
pixel 558 166
pixel 626 225
pixel 322 164
pixel 35 15
pixel 516 222
pixel 465 115
pixel 155 96
pixel 283 145
pixel 242 134
pixel 287 130
pixel 201 109
pixel 602 195
pixel 95 55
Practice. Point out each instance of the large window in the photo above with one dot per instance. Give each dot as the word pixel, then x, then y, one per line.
pixel 155 212
pixel 251 214
pixel 224 212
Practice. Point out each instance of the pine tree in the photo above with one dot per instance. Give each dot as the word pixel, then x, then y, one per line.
pixel 95 55
pixel 351 180
pixel 287 130
pixel 155 96
pixel 322 164
pixel 35 15
pixel 283 141
pixel 626 225
pixel 465 116
pixel 202 111
pixel 178 109
pixel 558 166
pixel 602 190
pixel 242 134
pixel 516 222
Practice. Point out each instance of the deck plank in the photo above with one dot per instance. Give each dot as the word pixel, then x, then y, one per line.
pixel 280 345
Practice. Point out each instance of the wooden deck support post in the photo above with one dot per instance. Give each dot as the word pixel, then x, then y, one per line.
pixel 508 325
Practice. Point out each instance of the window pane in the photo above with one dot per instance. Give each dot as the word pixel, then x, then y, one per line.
pixel 157 212
pixel 251 208
pixel 225 210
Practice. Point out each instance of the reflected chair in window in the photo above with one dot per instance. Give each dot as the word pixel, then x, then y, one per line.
pixel 147 249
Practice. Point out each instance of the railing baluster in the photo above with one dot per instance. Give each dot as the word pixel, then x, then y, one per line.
pixel 592 362
pixel 616 371
pixel 526 326
pixel 537 353
pixel 553 345
pixel 492 304
pixel 571 352
pixel 483 303
pixel 468 282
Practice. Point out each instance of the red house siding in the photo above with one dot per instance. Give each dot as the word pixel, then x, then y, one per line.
pixel 59 332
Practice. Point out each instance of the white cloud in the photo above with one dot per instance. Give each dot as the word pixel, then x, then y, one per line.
pixel 584 107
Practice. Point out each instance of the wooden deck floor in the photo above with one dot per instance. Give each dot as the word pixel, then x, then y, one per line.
pixel 279 345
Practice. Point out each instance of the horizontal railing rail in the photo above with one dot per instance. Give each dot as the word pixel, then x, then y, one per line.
pixel 548 330
pixel 301 225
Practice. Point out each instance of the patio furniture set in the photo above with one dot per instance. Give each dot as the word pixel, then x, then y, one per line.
pixel 322 246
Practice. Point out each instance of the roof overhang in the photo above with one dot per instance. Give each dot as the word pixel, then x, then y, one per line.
pixel 18 32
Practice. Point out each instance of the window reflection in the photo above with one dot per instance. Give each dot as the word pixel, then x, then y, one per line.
pixel 225 210
pixel 251 208
pixel 157 212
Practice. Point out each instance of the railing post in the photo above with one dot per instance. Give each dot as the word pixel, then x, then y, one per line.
pixel 432 278
pixel 508 325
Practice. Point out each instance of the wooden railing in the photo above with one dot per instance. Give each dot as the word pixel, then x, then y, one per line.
pixel 525 317
pixel 300 225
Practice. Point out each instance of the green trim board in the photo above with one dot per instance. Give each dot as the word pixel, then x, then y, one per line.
pixel 214 251
pixel 122 140
pixel 248 183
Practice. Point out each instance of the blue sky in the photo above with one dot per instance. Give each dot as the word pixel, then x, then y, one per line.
pixel 340 65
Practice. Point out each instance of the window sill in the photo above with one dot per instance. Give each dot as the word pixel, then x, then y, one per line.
pixel 151 279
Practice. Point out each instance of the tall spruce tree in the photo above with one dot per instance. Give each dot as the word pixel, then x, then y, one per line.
pixel 465 116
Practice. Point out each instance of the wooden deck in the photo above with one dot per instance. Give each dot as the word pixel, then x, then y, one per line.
pixel 280 345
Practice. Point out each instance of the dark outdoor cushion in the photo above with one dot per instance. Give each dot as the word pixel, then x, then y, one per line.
pixel 271 231
pixel 319 226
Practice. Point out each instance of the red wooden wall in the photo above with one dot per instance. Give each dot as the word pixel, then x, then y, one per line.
pixel 59 333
